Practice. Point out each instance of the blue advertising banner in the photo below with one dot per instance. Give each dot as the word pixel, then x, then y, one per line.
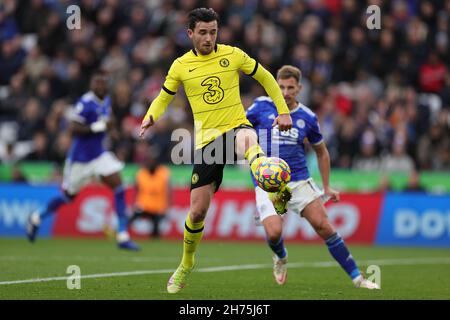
pixel 415 219
pixel 17 201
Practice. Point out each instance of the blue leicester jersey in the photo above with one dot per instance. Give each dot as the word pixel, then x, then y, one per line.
pixel 88 110
pixel 287 145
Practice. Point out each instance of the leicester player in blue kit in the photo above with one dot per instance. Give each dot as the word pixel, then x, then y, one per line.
pixel 306 197
pixel 88 159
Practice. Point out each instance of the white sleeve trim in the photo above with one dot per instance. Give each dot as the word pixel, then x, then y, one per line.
pixel 72 115
pixel 78 118
pixel 317 143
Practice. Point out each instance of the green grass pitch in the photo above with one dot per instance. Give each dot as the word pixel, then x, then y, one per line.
pixel 225 270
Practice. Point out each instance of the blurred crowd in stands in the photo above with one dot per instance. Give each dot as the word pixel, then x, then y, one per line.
pixel 382 96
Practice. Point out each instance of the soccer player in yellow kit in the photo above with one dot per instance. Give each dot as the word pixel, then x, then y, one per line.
pixel 210 76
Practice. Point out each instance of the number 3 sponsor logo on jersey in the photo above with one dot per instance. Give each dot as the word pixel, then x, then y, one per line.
pixel 214 93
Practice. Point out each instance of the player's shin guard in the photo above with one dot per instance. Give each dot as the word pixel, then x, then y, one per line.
pixel 54 205
pixel 340 253
pixel 119 202
pixel 193 233
pixel 278 247
pixel 255 155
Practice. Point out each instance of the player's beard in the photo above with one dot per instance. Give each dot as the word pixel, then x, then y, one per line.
pixel 206 49
pixel 291 103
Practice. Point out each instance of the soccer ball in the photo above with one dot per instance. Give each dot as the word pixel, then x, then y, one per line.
pixel 272 174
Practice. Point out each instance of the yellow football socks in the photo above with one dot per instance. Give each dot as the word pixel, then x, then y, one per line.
pixel 193 233
pixel 255 155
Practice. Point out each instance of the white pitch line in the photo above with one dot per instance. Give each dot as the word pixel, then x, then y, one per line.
pixel 318 264
pixel 327 264
pixel 94 259
pixel 91 276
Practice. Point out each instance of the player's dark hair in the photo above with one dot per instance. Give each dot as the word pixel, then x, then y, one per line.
pixel 201 14
pixel 288 71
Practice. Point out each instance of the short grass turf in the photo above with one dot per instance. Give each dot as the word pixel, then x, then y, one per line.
pixel 403 276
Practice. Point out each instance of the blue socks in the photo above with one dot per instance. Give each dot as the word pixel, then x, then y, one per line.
pixel 278 247
pixel 119 202
pixel 337 248
pixel 54 205
pixel 340 253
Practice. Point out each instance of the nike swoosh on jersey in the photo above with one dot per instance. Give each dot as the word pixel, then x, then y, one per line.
pixel 190 70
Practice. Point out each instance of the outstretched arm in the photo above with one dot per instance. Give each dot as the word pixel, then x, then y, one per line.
pixel 165 96
pixel 269 83
pixel 156 109
pixel 252 68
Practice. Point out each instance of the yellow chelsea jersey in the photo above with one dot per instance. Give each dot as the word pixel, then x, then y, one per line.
pixel 211 83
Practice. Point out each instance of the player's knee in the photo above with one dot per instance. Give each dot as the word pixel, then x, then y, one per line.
pixel 247 134
pixel 250 137
pixel 200 204
pixel 198 213
pixel 245 138
pixel 324 229
pixel 273 236
pixel 273 232
pixel 198 216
